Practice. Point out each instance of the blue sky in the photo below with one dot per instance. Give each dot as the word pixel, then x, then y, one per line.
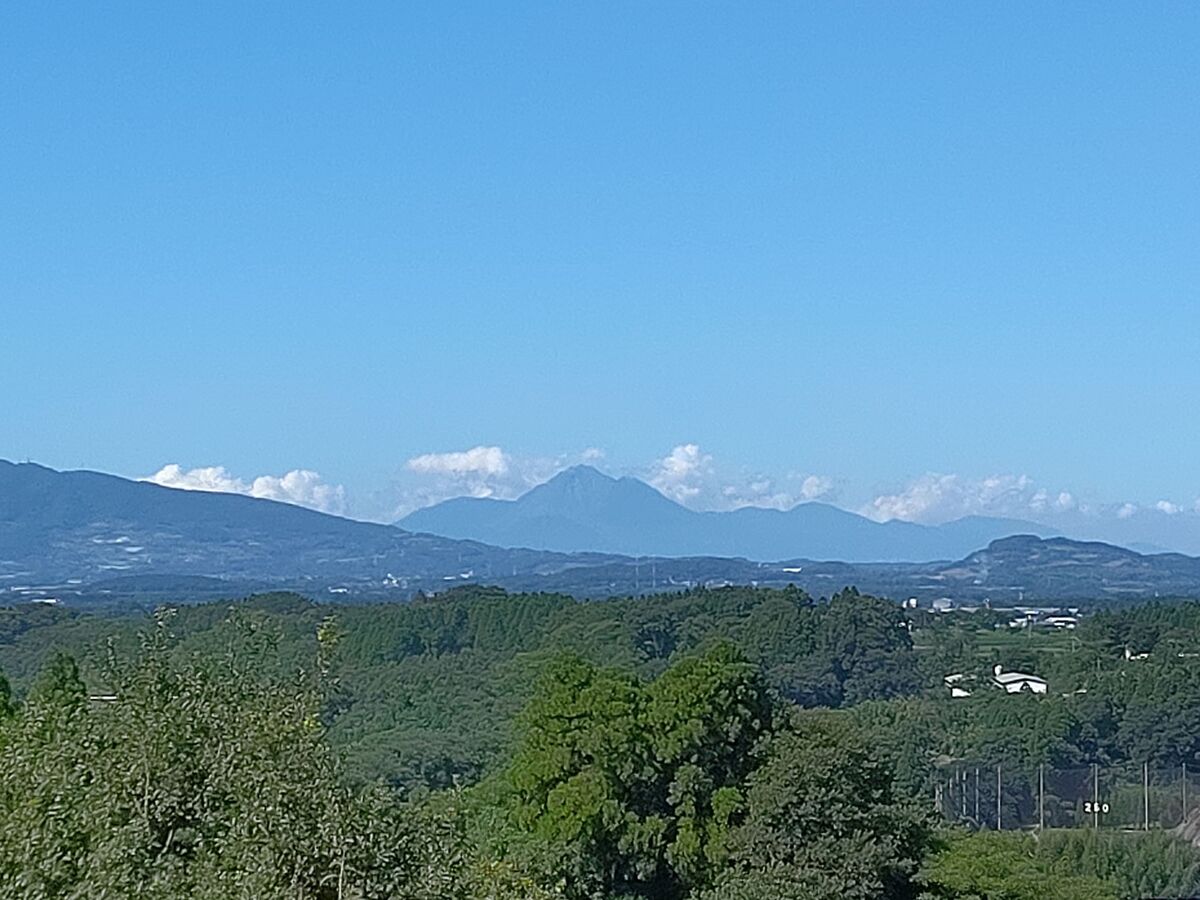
pixel 857 243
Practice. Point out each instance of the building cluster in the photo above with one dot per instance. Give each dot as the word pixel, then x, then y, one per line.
pixel 963 685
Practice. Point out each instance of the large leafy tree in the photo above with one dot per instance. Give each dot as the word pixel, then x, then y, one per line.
pixel 822 822
pixel 194 780
pixel 631 788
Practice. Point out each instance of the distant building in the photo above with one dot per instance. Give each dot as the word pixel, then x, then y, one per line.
pixel 1018 682
pixel 956 684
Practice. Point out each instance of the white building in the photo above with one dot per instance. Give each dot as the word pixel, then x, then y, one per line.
pixel 1018 682
pixel 956 684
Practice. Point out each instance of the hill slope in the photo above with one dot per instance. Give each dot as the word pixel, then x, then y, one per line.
pixel 583 509
pixel 63 527
pixel 87 536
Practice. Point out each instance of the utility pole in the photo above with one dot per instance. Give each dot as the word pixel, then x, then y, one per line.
pixel 1042 797
pixel 1145 796
pixel 977 822
pixel 998 820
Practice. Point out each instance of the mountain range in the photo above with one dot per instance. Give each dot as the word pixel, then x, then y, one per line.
pixel 63 532
pixel 89 538
pixel 584 509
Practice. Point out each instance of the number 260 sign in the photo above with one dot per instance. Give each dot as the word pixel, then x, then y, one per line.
pixel 1090 808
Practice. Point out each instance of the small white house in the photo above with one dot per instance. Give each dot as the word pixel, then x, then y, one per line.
pixel 956 684
pixel 1018 682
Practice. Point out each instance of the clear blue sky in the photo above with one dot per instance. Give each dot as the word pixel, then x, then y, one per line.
pixel 866 241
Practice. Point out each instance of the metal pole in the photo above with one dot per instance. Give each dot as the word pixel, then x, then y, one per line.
pixel 977 823
pixel 998 821
pixel 1042 797
pixel 1145 796
pixel 1183 815
pixel 962 789
pixel 1095 795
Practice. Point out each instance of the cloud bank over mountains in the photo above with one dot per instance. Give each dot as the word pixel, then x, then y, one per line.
pixel 482 471
pixel 694 478
pixel 302 487
pixel 933 498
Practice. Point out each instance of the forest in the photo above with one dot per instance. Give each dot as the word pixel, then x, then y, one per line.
pixel 726 744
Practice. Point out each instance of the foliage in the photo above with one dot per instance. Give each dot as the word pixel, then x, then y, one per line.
pixel 1006 866
pixel 631 787
pixel 1064 865
pixel 199 781
pixel 822 820
pixel 726 744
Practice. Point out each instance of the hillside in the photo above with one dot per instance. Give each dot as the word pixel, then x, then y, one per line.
pixel 62 533
pixel 89 537
pixel 583 509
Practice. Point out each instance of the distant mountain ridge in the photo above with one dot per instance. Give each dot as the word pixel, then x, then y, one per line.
pixel 584 509
pixel 85 537
pixel 63 528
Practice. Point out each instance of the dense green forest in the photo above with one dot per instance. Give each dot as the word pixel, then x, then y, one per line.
pixel 722 744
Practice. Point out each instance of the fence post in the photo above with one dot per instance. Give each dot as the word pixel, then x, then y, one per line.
pixel 1042 797
pixel 998 819
pixel 1183 814
pixel 1095 795
pixel 1145 796
pixel 962 789
pixel 977 822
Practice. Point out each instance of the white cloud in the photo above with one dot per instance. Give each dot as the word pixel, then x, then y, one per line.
pixel 682 473
pixel 935 498
pixel 207 478
pixel 480 461
pixel 692 477
pixel 483 472
pixel 1040 501
pixel 301 487
pixel 814 487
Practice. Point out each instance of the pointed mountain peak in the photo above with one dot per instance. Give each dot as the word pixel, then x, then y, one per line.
pixel 582 474
pixel 585 491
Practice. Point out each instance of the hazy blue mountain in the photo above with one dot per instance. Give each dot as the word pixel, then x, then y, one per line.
pixel 583 509
pixel 88 537
pixel 1066 569
pixel 59 529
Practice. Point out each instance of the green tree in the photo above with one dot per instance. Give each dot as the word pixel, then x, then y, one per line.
pixel 631 788
pixel 822 822
pixel 199 780
pixel 1005 866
